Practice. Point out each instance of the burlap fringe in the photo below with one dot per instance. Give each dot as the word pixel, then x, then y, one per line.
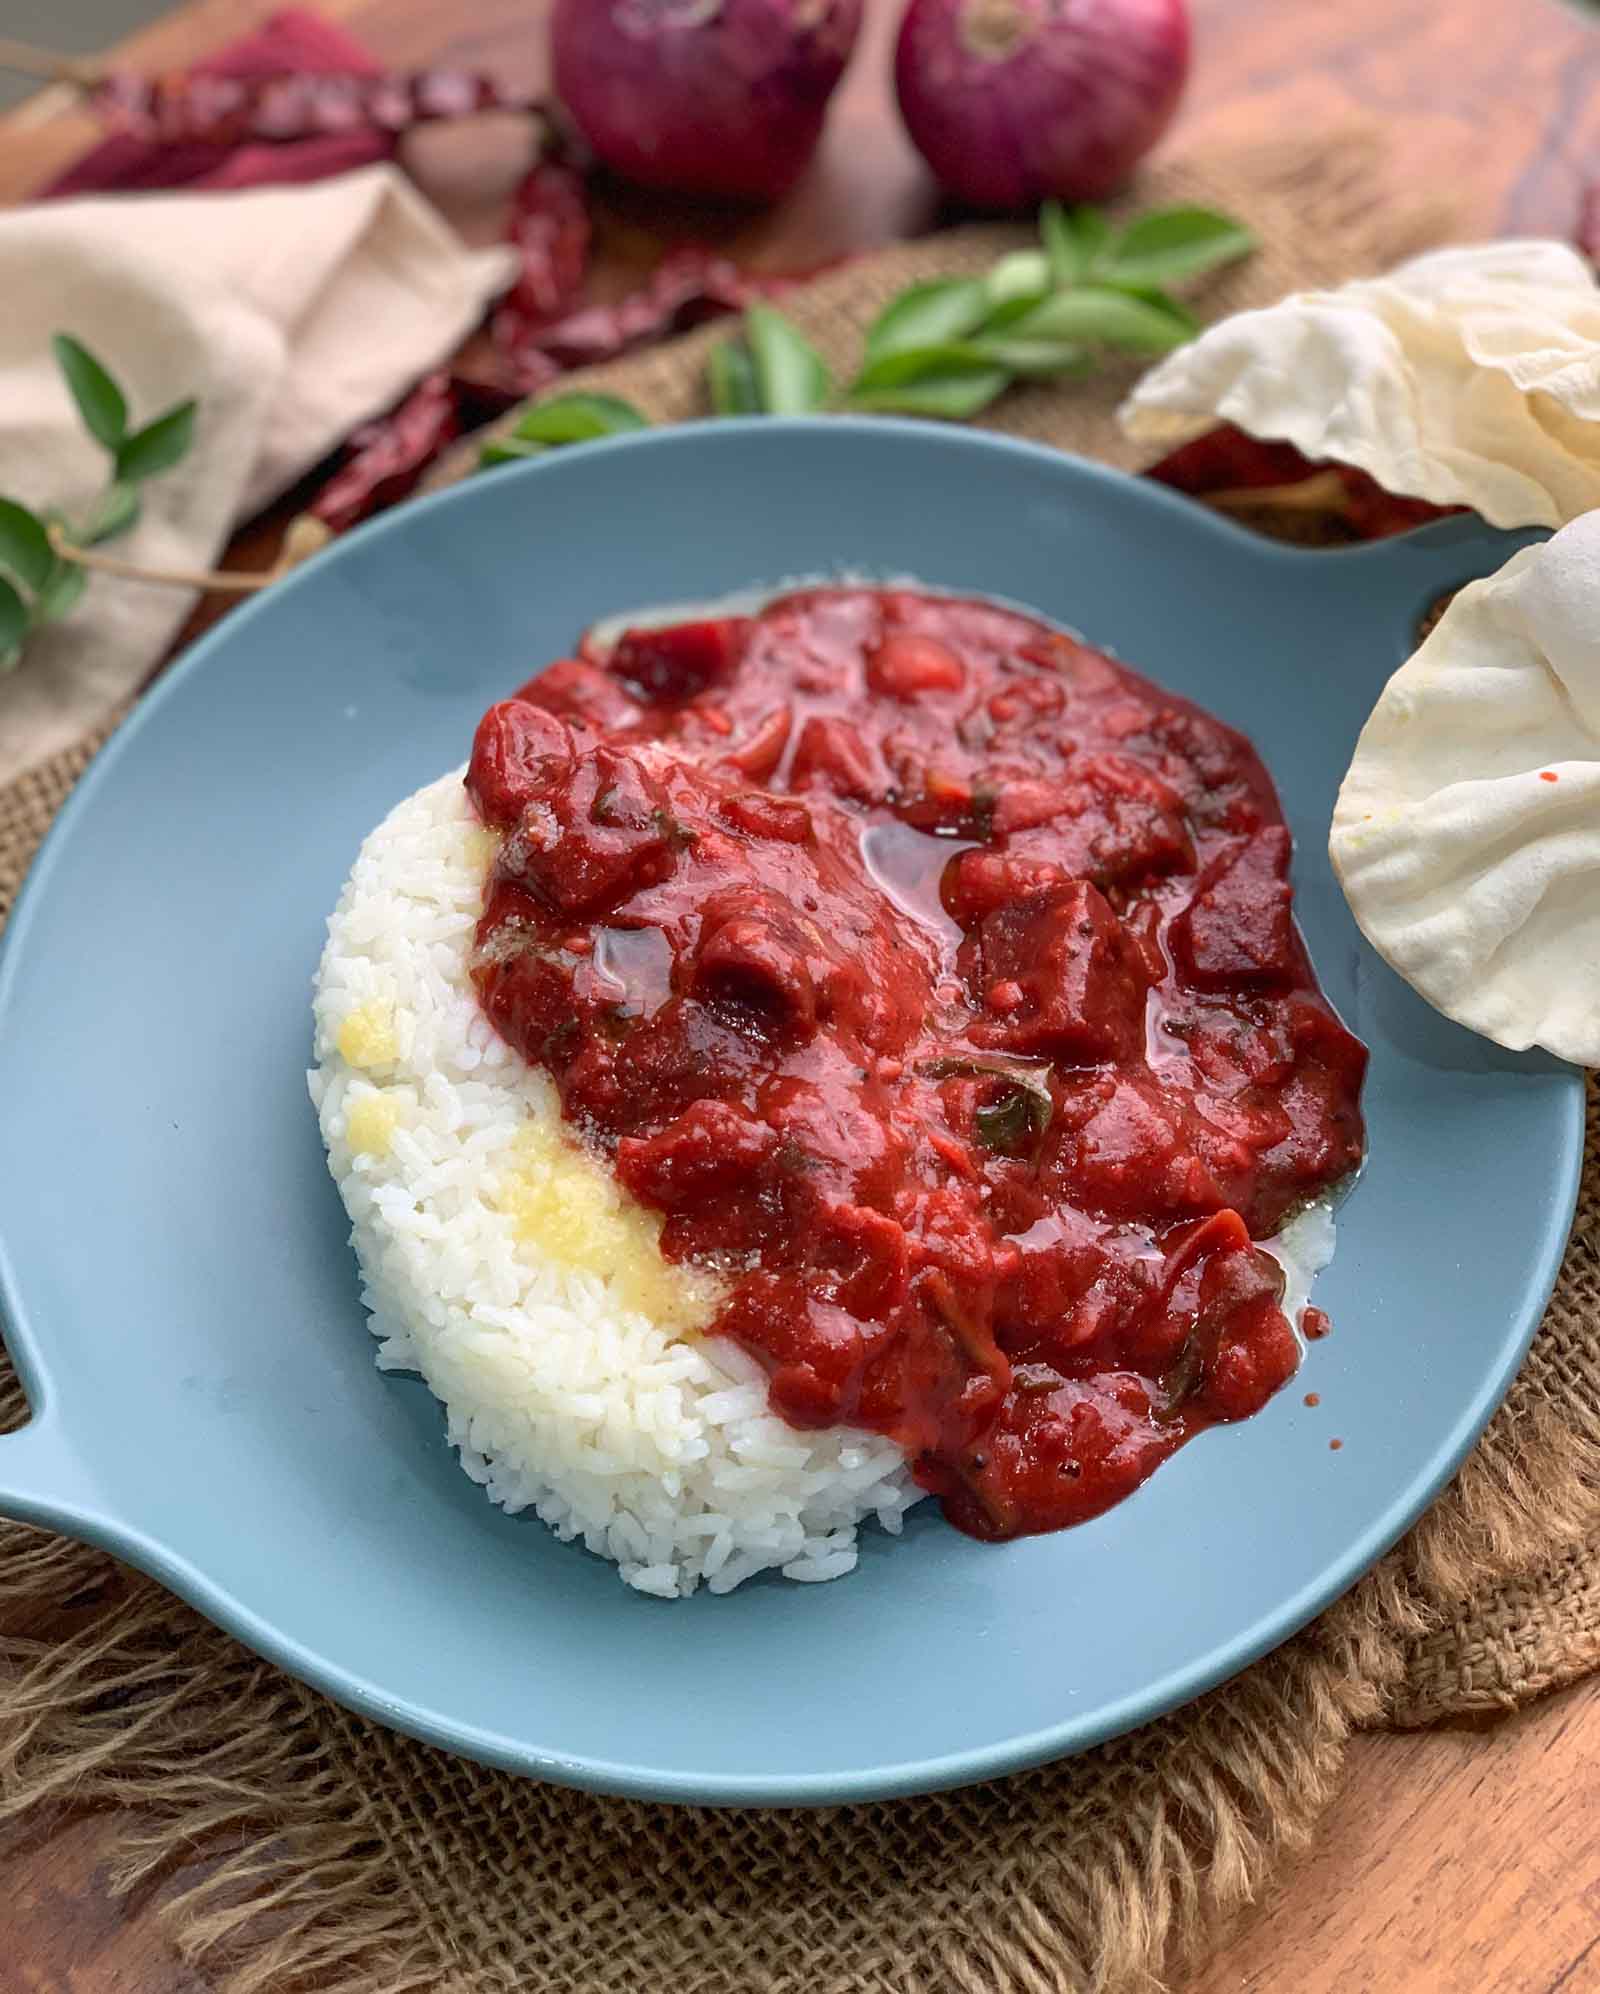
pixel 1512 1509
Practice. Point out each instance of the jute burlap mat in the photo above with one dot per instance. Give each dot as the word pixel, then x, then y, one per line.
pixel 338 1857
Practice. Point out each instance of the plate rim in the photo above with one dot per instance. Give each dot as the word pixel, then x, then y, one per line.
pixel 50 1429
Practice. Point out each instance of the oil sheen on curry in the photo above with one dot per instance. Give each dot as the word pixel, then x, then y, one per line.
pixel 935 977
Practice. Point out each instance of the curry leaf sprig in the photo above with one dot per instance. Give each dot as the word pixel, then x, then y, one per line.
pixel 950 347
pixel 41 572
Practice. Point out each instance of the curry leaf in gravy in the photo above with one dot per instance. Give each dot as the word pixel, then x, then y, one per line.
pixel 1012 1124
pixel 1013 1120
pixel 1179 1384
pixel 679 836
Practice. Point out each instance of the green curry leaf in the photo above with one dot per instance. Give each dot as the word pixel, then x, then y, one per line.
pixel 1025 273
pixel 61 592
pixel 100 401
pixel 1014 1121
pixel 791 377
pixel 116 509
pixel 932 314
pixel 1176 243
pixel 25 549
pixel 579 418
pixel 13 625
pixel 1075 242
pixel 508 450
pixel 947 382
pixel 731 378
pixel 1099 314
pixel 158 446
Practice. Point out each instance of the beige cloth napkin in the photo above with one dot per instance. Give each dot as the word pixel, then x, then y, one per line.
pixel 290 313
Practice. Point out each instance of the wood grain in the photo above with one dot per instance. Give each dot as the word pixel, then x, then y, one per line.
pixel 62 1933
pixel 1456 1862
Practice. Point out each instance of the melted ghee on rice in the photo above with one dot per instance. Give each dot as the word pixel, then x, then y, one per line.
pixel 570 1206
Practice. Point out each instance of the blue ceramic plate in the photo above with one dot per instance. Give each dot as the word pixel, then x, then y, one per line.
pixel 179 1295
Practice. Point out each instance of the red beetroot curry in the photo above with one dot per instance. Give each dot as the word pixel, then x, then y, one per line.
pixel 935 977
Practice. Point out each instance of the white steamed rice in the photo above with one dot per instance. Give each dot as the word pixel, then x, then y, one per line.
pixel 615 1420
pixel 653 1447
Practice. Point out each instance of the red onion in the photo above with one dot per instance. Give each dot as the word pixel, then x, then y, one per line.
pixel 1017 101
pixel 702 96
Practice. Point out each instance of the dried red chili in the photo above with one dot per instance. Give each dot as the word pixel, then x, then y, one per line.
pixel 550 226
pixel 550 230
pixel 292 41
pixel 389 455
pixel 227 110
pixel 1226 460
pixel 689 284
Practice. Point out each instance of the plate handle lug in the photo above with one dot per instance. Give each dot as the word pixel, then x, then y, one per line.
pixel 42 1479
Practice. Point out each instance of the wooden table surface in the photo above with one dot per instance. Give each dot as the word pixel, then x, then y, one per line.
pixel 1457 1861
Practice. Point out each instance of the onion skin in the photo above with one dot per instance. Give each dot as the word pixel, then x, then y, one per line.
pixel 719 97
pixel 1012 102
